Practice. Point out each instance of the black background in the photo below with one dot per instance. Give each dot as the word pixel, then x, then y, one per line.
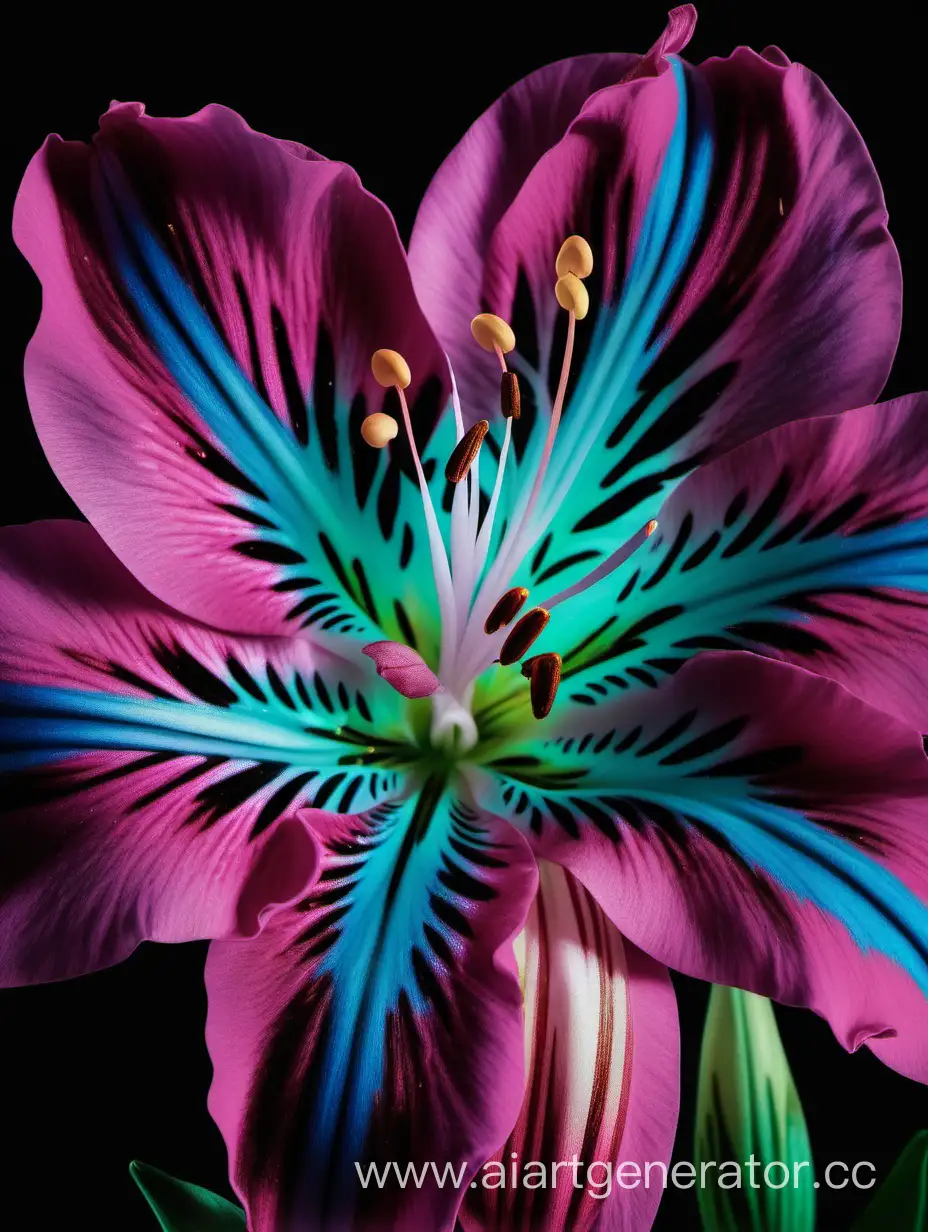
pixel 113 1067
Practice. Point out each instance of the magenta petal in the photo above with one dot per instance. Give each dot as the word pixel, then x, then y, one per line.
pixel 148 764
pixel 479 180
pixel 603 1074
pixel 404 668
pixel 743 277
pixel 808 544
pixel 207 444
pixel 751 824
pixel 378 1020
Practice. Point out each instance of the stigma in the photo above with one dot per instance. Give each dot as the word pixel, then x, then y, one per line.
pixel 479 599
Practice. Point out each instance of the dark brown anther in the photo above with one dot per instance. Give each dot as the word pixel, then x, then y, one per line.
pixel 510 400
pixel 467 448
pixel 506 609
pixel 529 628
pixel 545 675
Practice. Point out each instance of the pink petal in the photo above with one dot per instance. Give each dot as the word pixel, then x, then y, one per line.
pixel 744 277
pixel 201 369
pixel 751 824
pixel 808 544
pixel 148 765
pixel 404 668
pixel 481 177
pixel 603 1062
pixel 378 1020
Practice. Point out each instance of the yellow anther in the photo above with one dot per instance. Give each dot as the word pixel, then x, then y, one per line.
pixel 573 296
pixel 389 369
pixel 379 429
pixel 492 332
pixel 575 257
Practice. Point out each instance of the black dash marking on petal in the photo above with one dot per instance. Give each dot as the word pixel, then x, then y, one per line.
pixel 302 692
pixel 323 398
pixel 254 354
pixel 440 947
pixel 248 515
pixel 367 598
pixel 363 709
pixel 668 735
pixel 706 744
pixel 323 693
pixel 566 563
pixel 621 502
pixel 296 583
pixel 643 677
pixel 627 741
pixel 193 675
pixel 272 553
pixel 289 378
pixel 310 602
pixel 541 553
pixel 278 687
pixel 704 550
pixel 405 624
pixel 388 499
pixel 430 987
pixel 762 517
pixel 230 793
pixel 736 508
pixel 336 563
pixel 602 820
pixel 279 803
pixel 327 789
pixel 792 528
pixel 837 518
pixel 179 780
pixel 407 546
pixel 793 639
pixel 117 672
pixel 244 679
pixel 563 816
pixel 629 586
pixel 755 765
pixel 461 882
pixel 679 543
pixel 632 637
pixel 348 795
pixel 474 854
pixel 450 915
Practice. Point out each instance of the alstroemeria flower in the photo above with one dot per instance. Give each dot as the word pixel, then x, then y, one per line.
pixel 197 744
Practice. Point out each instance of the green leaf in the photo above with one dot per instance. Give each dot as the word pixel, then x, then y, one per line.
pixel 182 1207
pixel 748 1109
pixel 901 1202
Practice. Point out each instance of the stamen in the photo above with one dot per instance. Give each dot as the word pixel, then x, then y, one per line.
pixel 506 609
pixel 609 565
pixel 482 543
pixel 493 333
pixel 379 429
pixel 575 257
pixel 465 451
pixel 391 370
pixel 572 295
pixel 577 304
pixel 527 631
pixel 544 672
pixel 510 399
